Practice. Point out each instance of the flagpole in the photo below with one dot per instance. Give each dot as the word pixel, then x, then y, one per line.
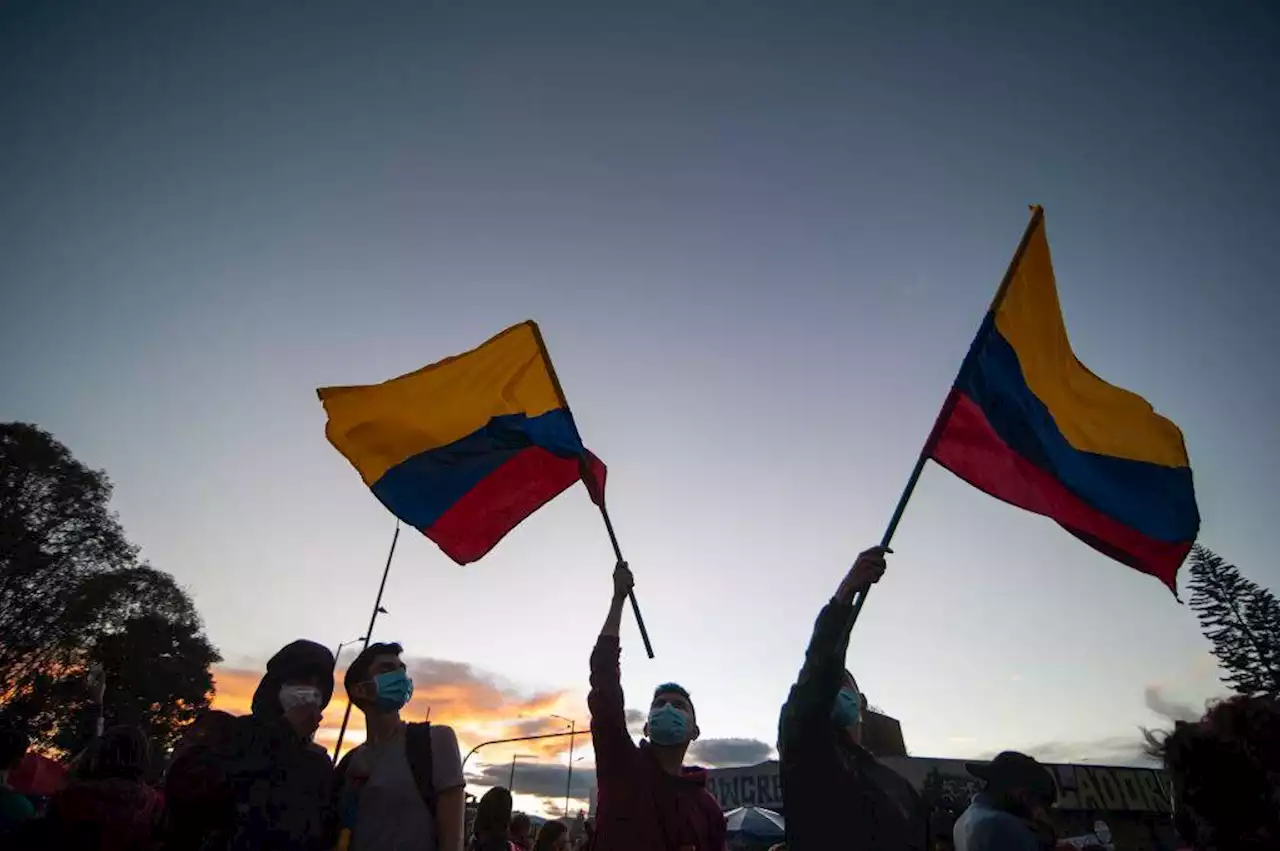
pixel 1037 219
pixel 368 634
pixel 587 479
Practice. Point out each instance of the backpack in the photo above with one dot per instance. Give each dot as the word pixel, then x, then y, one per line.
pixel 417 744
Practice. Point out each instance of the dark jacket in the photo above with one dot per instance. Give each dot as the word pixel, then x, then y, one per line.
pixel 276 788
pixel 640 806
pixel 103 815
pixel 836 794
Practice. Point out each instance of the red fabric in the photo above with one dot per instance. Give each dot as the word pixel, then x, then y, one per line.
pixel 122 815
pixel 969 447
pixel 502 500
pixel 639 806
pixel 38 776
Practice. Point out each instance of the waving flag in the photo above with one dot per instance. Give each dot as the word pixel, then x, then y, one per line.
pixel 1031 425
pixel 467 448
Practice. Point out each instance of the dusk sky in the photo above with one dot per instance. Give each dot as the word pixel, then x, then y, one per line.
pixel 758 238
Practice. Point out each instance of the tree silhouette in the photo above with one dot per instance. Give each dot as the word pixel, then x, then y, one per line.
pixel 73 594
pixel 1241 619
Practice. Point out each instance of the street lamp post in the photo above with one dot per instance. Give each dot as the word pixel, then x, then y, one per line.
pixel 342 644
pixel 511 781
pixel 568 783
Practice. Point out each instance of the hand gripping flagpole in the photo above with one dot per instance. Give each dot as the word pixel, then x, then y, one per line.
pixel 1037 219
pixel 588 480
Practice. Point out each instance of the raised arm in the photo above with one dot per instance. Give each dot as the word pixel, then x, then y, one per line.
pixel 609 734
pixel 814 693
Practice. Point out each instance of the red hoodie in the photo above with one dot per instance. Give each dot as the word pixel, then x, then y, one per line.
pixel 639 806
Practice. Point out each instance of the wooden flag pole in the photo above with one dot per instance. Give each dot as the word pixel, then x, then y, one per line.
pixel 587 479
pixel 1037 217
pixel 368 634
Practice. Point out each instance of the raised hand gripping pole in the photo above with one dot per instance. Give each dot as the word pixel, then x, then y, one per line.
pixel 584 468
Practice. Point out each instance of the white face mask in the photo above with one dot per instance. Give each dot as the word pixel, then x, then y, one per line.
pixel 291 697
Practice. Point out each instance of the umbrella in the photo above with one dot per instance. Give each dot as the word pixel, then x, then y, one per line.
pixel 755 823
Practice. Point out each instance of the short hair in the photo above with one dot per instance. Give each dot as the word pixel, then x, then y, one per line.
pixel 493 813
pixel 674 688
pixel 358 670
pixel 123 753
pixel 1226 791
pixel 520 823
pixel 549 834
pixel 14 743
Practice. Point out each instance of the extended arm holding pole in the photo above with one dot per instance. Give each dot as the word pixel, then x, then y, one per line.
pixel 589 480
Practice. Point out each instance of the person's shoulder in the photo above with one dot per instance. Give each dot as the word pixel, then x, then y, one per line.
pixel 443 735
pixel 993 830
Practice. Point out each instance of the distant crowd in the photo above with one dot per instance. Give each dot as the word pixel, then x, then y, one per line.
pixel 260 783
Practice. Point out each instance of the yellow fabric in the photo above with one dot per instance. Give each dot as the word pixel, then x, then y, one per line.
pixel 376 426
pixel 1091 414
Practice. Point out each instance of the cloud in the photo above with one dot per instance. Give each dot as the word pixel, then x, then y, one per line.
pixel 541 779
pixel 728 752
pixel 1167 708
pixel 480 706
pixel 635 722
pixel 1111 750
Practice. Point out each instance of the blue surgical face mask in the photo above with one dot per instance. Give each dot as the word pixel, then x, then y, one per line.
pixel 848 708
pixel 394 690
pixel 669 726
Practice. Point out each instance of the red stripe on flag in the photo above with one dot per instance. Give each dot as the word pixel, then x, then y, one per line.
pixel 969 447
pixel 502 500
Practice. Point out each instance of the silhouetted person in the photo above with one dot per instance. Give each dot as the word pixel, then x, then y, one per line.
pixel 552 836
pixel 520 832
pixel 1225 770
pixel 648 800
pixel 493 821
pixel 402 790
pixel 1011 811
pixel 279 785
pixel 108 806
pixel 197 796
pixel 837 795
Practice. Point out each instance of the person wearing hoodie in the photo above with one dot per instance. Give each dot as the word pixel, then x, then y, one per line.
pixel 836 793
pixel 648 800
pixel 278 786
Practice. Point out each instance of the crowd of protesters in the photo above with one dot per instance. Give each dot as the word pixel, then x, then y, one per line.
pixel 260 783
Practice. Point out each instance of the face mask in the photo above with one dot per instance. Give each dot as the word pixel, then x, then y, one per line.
pixel 394 690
pixel 668 726
pixel 291 697
pixel 848 708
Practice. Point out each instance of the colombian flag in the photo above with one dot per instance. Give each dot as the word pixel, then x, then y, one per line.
pixel 465 449
pixel 1031 425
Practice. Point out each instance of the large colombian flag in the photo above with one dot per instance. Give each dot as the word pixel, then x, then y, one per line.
pixel 1031 425
pixel 467 448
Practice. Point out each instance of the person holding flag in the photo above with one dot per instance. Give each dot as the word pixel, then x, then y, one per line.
pixel 648 799
pixel 836 793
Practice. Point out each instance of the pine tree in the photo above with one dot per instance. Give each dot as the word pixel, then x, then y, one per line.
pixel 1241 619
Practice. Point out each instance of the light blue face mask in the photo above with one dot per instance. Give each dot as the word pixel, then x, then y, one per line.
pixel 394 690
pixel 668 726
pixel 848 708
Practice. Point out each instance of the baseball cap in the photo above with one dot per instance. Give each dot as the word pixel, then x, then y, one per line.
pixel 1010 770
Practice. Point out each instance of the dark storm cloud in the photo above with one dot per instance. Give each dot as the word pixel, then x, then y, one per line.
pixel 727 752
pixel 545 780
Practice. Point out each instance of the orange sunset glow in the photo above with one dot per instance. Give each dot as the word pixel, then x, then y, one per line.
pixel 475 704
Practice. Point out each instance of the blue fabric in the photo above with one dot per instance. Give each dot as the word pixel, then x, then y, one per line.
pixel 423 487
pixel 1155 500
pixel 984 828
